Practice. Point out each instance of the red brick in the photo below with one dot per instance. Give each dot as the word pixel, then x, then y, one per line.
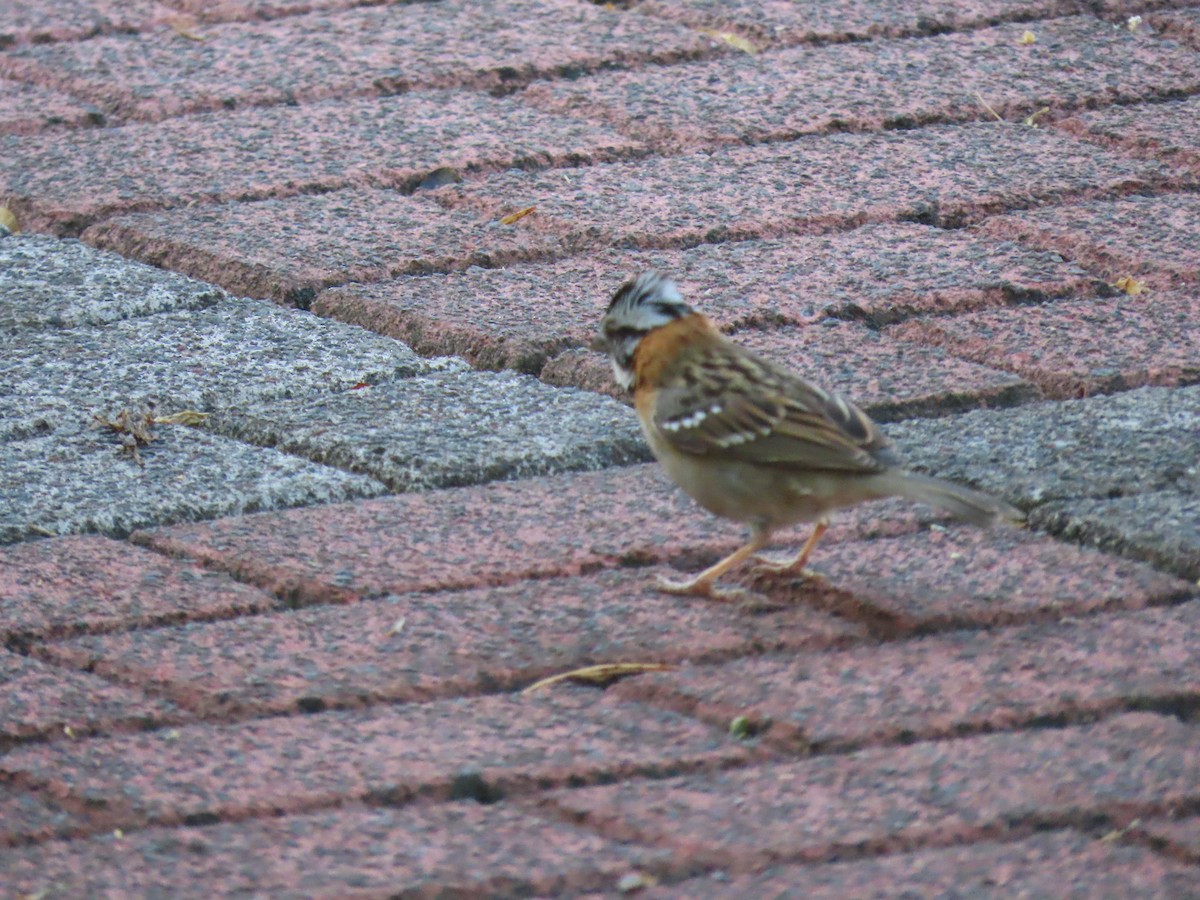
pixel 479 748
pixel 493 534
pixel 75 584
pixel 896 798
pixel 943 175
pixel 1003 679
pixel 64 182
pixel 459 850
pixel 881 273
pixel 289 249
pixel 1064 864
pixel 373 50
pixel 25 109
pixel 40 700
pixel 1072 349
pixel 1146 237
pixel 71 20
pixel 967 577
pixel 238 10
pixel 26 816
pixel 1181 24
pixel 1178 837
pixel 888 378
pixel 1076 62
pixel 1167 132
pixel 784 22
pixel 421 646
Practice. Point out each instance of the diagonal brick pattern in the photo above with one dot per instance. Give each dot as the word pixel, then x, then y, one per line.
pixel 344 260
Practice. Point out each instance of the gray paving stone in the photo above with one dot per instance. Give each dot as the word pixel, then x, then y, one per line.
pixel 50 283
pixel 447 429
pixel 83 482
pixel 1162 527
pixel 237 352
pixel 1138 442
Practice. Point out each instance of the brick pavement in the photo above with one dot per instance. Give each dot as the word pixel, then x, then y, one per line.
pixel 282 654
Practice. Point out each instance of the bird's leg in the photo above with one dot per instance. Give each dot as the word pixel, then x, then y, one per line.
pixel 800 560
pixel 702 584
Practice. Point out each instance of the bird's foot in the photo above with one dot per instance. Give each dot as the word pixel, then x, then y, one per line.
pixel 699 587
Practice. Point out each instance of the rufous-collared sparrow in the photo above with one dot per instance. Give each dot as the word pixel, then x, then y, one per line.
pixel 750 441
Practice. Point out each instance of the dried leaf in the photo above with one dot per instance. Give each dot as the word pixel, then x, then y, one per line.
pixel 599 675
pixel 183 25
pixel 1027 38
pixel 743 728
pixel 183 417
pixel 8 219
pixel 1119 833
pixel 635 881
pixel 988 107
pixel 736 41
pixel 134 429
pixel 1130 285
pixel 1133 23
pixel 518 215
pixel 1031 120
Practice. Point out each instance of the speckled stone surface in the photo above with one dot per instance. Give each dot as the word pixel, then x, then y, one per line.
pixel 1167 131
pixel 1149 238
pixel 69 585
pixel 884 694
pixel 70 20
pixel 48 283
pixel 1181 24
pixel 964 577
pixel 1075 62
pixel 520 316
pixel 370 50
pixel 40 700
pixel 886 799
pixel 82 481
pixel 247 699
pixel 445 429
pixel 1158 526
pixel 941 175
pixel 889 379
pixel 481 748
pixel 26 816
pixel 63 183
pixel 290 249
pixel 1050 865
pixel 1137 442
pixel 1073 349
pixel 237 353
pixel 795 21
pixel 460 849
pixel 425 646
pixel 493 534
pixel 1182 836
pixel 25 110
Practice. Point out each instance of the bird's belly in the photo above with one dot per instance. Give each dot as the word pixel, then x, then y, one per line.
pixel 748 493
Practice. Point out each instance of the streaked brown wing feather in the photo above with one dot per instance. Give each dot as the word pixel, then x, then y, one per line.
pixel 783 421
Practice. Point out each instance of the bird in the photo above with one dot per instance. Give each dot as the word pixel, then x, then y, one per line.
pixel 749 440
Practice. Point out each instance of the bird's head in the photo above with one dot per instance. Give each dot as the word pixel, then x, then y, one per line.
pixel 639 306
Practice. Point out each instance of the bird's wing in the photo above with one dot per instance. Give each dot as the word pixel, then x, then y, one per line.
pixel 731 404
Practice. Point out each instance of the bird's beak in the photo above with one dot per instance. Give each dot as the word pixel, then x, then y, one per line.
pixel 599 344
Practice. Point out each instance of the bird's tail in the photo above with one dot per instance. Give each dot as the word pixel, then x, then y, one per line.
pixel 962 503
